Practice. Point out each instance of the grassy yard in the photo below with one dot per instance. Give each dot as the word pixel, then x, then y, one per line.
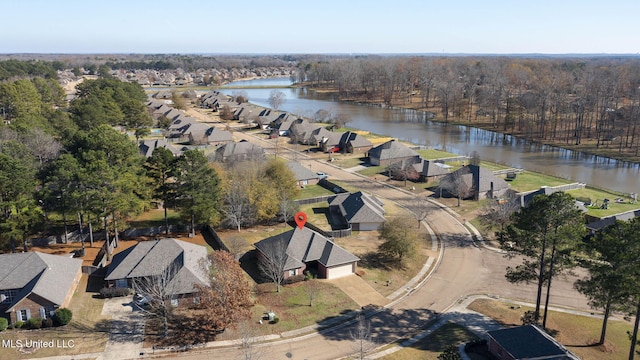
pixel 433 154
pixel 311 191
pixel 349 162
pixel 599 195
pixel 528 181
pixel 86 330
pixel 577 333
pixel 318 215
pixel 291 305
pixel 153 218
pixel 431 346
pixel 372 170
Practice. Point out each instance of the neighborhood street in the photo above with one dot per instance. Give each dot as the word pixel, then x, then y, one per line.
pixel 466 268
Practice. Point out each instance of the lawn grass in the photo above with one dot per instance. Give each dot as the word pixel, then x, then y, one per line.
pixel 433 154
pixel 291 305
pixel 311 191
pixel 153 218
pixel 431 346
pixel 599 195
pixel 349 162
pixel 528 181
pixel 372 170
pixel 86 330
pixel 577 333
pixel 317 214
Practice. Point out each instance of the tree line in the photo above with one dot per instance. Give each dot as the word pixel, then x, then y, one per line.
pixel 566 101
pixel 69 165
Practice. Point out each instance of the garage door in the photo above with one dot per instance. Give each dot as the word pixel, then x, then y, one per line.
pixel 339 271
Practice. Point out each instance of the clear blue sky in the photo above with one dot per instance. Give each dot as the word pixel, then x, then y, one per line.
pixel 328 26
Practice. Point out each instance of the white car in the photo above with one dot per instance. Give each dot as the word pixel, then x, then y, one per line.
pixel 322 175
pixel 140 300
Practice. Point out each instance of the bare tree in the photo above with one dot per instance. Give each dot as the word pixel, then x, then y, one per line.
pixel 361 335
pixel 42 145
pixel 496 215
pixel 273 260
pixel 237 206
pixel 248 339
pixel 276 99
pixel 312 289
pixel 455 184
pixel 421 210
pixel 158 290
pixel 403 170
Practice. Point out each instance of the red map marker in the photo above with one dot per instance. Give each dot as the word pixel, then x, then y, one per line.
pixel 301 219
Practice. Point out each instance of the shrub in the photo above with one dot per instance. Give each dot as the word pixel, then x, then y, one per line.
pixel 4 323
pixel 18 324
pixel 34 323
pixel 47 323
pixel 114 292
pixel 62 316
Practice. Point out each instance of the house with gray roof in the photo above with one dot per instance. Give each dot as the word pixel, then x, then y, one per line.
pixel 526 342
pixel 352 142
pixel 610 220
pixel 179 261
pixel 146 147
pixel 34 284
pixel 478 183
pixel 428 170
pixel 391 152
pixel 300 131
pixel 238 151
pixel 363 212
pixel 306 249
pixel 302 174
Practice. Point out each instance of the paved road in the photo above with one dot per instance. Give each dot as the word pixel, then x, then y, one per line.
pixel 464 269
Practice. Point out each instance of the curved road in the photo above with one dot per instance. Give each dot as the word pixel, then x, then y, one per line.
pixel 464 269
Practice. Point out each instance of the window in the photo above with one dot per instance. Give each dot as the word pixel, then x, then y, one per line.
pixel 122 283
pixel 23 315
pixel 292 272
pixel 174 300
pixel 46 313
pixel 7 296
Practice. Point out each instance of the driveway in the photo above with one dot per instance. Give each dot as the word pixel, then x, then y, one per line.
pixel 359 290
pixel 126 335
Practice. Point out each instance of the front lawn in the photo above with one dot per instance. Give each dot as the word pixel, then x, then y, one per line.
pixel 311 191
pixel 577 333
pixel 433 154
pixel 432 345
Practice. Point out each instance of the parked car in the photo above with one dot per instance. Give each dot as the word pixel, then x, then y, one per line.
pixel 140 300
pixel 322 175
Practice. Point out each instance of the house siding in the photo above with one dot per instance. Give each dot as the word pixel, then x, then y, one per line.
pixel 33 303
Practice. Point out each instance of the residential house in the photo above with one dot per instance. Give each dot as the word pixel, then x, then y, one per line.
pixel 391 152
pixel 303 175
pixel 34 284
pixel 306 249
pixel 352 142
pixel 429 170
pixel 526 342
pixel 203 134
pixel 477 183
pixel 163 94
pixel 363 212
pixel 604 222
pixel 146 147
pixel 330 141
pixel 301 130
pixel 318 134
pixel 238 151
pixel 179 262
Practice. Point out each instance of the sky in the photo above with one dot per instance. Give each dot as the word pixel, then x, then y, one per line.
pixel 328 26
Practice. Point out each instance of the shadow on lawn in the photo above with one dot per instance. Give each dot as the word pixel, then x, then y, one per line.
pixel 386 326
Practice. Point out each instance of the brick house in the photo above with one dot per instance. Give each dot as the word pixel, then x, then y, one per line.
pixel 34 284
pixel 179 261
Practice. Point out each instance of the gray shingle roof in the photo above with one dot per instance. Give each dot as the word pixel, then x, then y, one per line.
pixel 305 245
pixel 149 258
pixel 146 147
pixel 359 207
pixel 300 172
pixel 238 149
pixel 391 150
pixel 428 168
pixel 48 276
pixel 530 342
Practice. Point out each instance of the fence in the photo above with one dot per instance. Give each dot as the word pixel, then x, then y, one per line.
pixel 314 200
pixel 212 238
pixel 331 186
